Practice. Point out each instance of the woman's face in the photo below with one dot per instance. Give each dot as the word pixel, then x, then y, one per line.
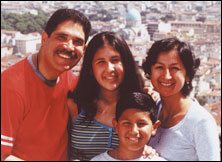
pixel 108 68
pixel 168 74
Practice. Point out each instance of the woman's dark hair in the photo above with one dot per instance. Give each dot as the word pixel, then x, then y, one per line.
pixel 62 15
pixel 185 53
pixel 87 89
pixel 137 100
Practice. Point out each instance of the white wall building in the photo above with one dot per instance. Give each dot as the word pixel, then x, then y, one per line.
pixel 28 44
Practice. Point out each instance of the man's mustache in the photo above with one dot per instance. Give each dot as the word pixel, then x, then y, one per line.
pixel 72 54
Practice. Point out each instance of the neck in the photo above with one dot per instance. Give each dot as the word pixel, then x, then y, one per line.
pixel 106 108
pixel 174 104
pixel 125 154
pixel 174 109
pixel 44 70
pixel 109 96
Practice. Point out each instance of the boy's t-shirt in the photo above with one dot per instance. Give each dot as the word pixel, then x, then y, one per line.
pixel 106 157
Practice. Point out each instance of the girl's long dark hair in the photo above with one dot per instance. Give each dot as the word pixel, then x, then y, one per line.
pixel 87 90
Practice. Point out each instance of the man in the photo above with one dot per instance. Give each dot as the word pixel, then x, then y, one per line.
pixel 34 112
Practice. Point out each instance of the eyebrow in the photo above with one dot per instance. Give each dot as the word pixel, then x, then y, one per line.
pixel 116 56
pixel 64 34
pixel 99 59
pixel 170 64
pixel 140 120
pixel 61 34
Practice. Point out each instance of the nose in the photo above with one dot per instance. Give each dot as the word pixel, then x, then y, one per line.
pixel 70 46
pixel 134 129
pixel 110 67
pixel 167 74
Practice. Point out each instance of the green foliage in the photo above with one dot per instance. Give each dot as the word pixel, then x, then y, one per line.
pixel 25 23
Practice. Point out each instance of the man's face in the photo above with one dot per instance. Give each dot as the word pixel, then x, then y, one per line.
pixel 63 49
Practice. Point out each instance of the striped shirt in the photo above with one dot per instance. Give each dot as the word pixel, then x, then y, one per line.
pixel 91 138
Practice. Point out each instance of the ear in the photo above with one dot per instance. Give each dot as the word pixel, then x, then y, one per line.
pixel 44 37
pixel 187 79
pixel 155 126
pixel 115 124
pixel 84 48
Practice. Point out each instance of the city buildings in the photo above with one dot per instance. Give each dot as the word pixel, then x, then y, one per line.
pixel 140 23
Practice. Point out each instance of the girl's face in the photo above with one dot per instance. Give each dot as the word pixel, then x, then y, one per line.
pixel 108 68
pixel 168 75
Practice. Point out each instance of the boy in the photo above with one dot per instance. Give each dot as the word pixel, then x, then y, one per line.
pixel 135 123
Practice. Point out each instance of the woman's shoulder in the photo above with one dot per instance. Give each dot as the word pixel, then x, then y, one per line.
pixel 103 157
pixel 198 112
pixel 198 116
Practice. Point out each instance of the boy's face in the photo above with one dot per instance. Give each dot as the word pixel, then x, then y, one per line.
pixel 135 129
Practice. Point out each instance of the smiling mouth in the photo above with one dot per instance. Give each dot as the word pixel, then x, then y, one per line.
pixel 166 84
pixel 66 54
pixel 110 78
pixel 133 140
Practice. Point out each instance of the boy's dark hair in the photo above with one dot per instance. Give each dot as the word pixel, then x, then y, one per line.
pixel 185 53
pixel 137 100
pixel 62 15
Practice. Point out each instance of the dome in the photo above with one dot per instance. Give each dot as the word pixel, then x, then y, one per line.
pixel 133 15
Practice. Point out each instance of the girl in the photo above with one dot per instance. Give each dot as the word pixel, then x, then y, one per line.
pixel 108 72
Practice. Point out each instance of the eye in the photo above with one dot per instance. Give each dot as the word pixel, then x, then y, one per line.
pixel 126 123
pixel 78 42
pixel 175 68
pixel 141 124
pixel 62 37
pixel 100 62
pixel 116 60
pixel 159 67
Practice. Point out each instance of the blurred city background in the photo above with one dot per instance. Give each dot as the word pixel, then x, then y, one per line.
pixel 139 22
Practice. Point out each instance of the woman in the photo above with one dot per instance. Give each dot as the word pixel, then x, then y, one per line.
pixel 188 131
pixel 108 72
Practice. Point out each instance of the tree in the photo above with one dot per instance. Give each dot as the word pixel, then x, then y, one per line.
pixel 25 23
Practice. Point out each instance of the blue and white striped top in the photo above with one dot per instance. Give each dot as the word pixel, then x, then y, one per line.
pixel 91 138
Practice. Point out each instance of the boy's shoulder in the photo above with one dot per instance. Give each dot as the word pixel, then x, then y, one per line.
pixel 155 158
pixel 103 157
pixel 106 157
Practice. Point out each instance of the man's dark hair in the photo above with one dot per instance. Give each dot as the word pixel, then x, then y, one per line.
pixel 62 15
